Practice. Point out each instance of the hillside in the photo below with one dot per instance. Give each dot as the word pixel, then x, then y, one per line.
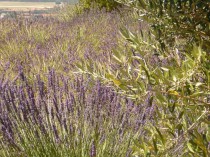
pixel 106 79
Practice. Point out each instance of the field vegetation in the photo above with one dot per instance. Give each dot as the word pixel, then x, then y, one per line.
pixel 8 4
pixel 107 79
pixel 13 9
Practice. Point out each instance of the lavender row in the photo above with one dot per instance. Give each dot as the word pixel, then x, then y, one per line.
pixel 64 106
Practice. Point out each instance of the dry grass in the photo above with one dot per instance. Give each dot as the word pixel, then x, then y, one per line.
pixel 25 6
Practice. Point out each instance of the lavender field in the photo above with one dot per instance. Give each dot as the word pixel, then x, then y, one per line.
pixel 105 82
pixel 70 114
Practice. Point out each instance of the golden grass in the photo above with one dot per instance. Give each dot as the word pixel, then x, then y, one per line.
pixel 24 6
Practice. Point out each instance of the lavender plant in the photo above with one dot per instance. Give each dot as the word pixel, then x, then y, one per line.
pixel 160 103
pixel 38 44
pixel 47 111
pixel 173 76
pixel 65 117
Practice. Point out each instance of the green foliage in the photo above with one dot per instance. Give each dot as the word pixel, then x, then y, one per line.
pixel 109 5
pixel 169 67
pixel 188 19
pixel 69 12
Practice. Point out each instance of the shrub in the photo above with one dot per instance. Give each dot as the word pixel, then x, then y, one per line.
pixel 188 20
pixel 109 5
pixel 169 67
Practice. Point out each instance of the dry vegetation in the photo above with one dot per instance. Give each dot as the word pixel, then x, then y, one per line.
pixel 24 6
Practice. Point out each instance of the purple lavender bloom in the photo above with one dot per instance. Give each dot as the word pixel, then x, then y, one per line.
pixel 93 150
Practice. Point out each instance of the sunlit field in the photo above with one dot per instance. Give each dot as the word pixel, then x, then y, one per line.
pixel 105 79
pixel 7 5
